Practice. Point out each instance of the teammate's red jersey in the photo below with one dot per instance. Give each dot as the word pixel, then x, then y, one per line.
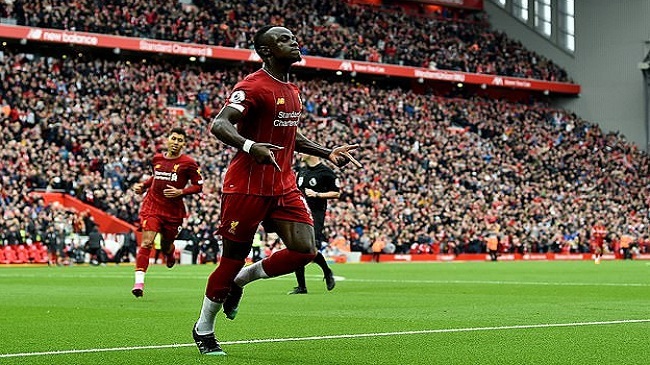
pixel 598 233
pixel 175 172
pixel 271 112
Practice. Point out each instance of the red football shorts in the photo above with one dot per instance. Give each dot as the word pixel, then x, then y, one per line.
pixel 169 229
pixel 241 214
pixel 598 246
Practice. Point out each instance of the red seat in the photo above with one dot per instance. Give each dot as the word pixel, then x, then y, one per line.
pixel 37 254
pixel 22 254
pixel 2 257
pixel 10 255
pixel 44 257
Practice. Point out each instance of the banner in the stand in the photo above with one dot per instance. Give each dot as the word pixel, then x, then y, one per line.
pixel 200 51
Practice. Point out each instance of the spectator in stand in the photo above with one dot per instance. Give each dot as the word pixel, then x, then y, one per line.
pixel 644 244
pixel 532 167
pixel 458 40
pixel 162 210
pixel 12 236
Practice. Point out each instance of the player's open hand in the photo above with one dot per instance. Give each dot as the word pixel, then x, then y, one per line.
pixel 172 192
pixel 340 156
pixel 263 154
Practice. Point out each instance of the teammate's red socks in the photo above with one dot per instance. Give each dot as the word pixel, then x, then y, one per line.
pixel 142 259
pixel 221 278
pixel 285 262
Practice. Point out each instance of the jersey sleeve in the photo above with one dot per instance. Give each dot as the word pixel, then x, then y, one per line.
pixel 194 172
pixel 243 97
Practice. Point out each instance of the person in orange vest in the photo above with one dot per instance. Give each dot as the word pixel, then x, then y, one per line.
pixel 626 242
pixel 378 247
pixel 492 243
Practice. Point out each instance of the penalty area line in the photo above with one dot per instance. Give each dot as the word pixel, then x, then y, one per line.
pixel 335 337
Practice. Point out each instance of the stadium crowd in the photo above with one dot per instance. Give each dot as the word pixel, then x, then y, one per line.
pixel 449 39
pixel 439 174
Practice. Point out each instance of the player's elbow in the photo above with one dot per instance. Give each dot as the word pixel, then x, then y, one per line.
pixel 219 127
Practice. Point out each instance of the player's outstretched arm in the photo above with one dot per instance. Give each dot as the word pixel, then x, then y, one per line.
pixel 340 156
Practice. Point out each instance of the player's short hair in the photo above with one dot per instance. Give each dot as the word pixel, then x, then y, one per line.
pixel 258 39
pixel 178 130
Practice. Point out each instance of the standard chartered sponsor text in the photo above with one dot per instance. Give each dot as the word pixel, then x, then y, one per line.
pixel 165 176
pixel 287 119
pixel 175 48
pixel 286 123
pixel 287 115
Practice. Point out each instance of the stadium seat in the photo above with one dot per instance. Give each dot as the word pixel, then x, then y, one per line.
pixel 37 254
pixel 10 255
pixel 22 254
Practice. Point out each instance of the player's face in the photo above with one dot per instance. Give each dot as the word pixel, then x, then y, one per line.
pixel 175 143
pixel 284 44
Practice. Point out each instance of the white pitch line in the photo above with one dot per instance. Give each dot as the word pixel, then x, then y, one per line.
pixel 335 337
pixel 494 282
pixel 342 278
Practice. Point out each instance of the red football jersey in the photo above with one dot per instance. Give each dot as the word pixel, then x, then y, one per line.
pixel 271 113
pixel 175 172
pixel 598 233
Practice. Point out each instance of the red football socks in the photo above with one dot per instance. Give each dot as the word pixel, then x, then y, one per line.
pixel 285 262
pixel 221 279
pixel 142 259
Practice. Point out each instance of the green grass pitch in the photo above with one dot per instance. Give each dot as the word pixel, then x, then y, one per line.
pixel 387 313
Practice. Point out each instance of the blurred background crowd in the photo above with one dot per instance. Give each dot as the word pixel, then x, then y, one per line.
pixel 449 39
pixel 440 172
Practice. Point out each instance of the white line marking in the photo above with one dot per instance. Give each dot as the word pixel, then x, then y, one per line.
pixel 334 337
pixel 182 276
pixel 495 282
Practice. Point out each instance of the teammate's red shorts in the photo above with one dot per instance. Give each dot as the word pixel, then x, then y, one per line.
pixel 168 228
pixel 598 247
pixel 241 214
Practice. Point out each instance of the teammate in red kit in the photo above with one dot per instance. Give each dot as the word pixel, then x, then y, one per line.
pixel 162 211
pixel 598 234
pixel 260 185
